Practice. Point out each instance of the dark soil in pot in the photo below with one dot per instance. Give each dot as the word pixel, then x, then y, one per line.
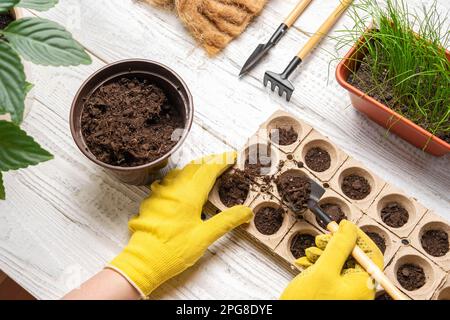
pixel 383 296
pixel 379 241
pixel 5 19
pixel 268 220
pixel 411 276
pixel 435 242
pixel 364 80
pixel 129 122
pixel 234 188
pixel 294 190
pixel 258 164
pixel 334 211
pixel 285 136
pixel 356 187
pixel 300 243
pixel 318 159
pixel 394 215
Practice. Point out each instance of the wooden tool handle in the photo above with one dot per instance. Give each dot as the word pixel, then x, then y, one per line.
pixel 298 10
pixel 324 29
pixel 372 269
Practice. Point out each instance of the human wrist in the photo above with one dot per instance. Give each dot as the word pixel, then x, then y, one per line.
pixel 145 263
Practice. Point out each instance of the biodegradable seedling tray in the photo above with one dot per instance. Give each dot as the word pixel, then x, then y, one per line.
pixel 316 140
pixel 389 195
pixel 431 222
pixel 351 212
pixel 392 242
pixel 433 274
pixel 443 293
pixel 402 244
pixel 284 120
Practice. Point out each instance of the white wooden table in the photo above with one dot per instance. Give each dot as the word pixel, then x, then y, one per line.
pixel 64 219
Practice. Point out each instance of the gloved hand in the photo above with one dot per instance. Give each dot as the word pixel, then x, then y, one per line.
pixel 168 233
pixel 328 274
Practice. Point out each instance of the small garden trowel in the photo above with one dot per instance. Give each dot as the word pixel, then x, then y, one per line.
pixel 262 49
pixel 317 191
pixel 281 81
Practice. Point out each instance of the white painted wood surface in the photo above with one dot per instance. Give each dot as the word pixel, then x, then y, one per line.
pixel 64 219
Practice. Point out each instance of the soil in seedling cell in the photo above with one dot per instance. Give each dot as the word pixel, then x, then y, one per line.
pixel 356 187
pixel 258 163
pixel 5 19
pixel 268 220
pixel 234 187
pixel 394 215
pixel 318 159
pixel 334 211
pixel 379 241
pixel 435 242
pixel 383 296
pixel 411 276
pixel 294 190
pixel 284 136
pixel 300 243
pixel 129 122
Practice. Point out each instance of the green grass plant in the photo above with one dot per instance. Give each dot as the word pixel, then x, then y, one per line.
pixel 405 53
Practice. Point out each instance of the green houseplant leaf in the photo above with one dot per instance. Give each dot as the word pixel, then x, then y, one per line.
pixel 39 5
pixel 45 42
pixel 17 149
pixel 12 83
pixel 6 5
pixel 2 188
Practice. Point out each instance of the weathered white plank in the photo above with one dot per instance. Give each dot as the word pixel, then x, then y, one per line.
pixel 65 219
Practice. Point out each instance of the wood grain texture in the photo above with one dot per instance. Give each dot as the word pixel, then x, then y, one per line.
pixel 66 218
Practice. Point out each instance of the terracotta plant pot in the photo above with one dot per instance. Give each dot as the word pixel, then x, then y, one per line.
pixel 173 86
pixel 382 114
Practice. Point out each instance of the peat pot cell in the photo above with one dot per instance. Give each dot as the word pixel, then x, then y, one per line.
pixel 293 187
pixel 284 131
pixel 443 293
pixel 319 156
pixel 396 212
pixel 301 237
pixel 259 161
pixel 386 241
pixel 431 238
pixel 382 295
pixel 357 184
pixel 271 222
pixel 233 188
pixel 414 274
pixel 336 207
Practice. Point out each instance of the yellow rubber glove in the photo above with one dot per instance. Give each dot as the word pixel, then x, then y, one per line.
pixel 329 275
pixel 169 235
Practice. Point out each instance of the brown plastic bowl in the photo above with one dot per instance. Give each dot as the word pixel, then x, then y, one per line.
pixel 174 87
pixel 382 114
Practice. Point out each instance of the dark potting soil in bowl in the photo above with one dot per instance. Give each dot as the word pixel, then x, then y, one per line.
pixel 334 211
pixel 383 296
pixel 129 122
pixel 5 19
pixel 356 187
pixel 394 215
pixel 268 220
pixel 318 159
pixel 300 243
pixel 435 242
pixel 379 241
pixel 294 190
pixel 285 136
pixel 233 188
pixel 411 276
